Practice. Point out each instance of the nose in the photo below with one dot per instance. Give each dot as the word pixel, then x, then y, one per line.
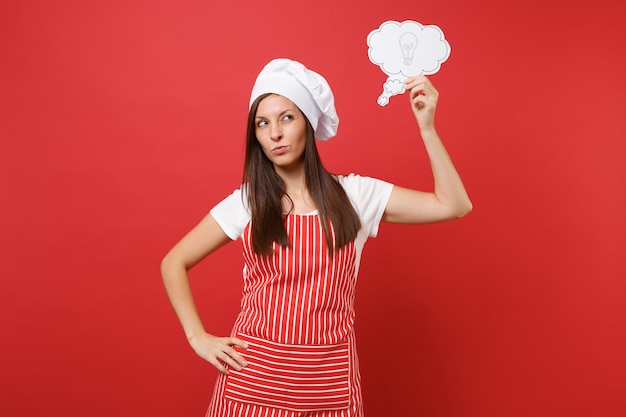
pixel 276 133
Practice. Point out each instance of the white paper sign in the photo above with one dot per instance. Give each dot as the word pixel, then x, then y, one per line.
pixel 405 49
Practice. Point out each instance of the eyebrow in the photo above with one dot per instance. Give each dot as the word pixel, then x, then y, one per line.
pixel 279 114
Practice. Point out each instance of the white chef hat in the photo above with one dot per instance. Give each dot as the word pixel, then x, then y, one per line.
pixel 307 89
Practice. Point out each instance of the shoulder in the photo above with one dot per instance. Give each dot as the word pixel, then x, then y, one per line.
pixel 369 196
pixel 237 200
pixel 364 191
pixel 358 184
pixel 232 213
pixel 352 180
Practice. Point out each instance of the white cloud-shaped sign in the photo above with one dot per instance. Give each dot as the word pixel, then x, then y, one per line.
pixel 404 50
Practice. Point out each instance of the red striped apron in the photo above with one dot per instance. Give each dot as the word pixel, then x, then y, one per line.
pixel 297 315
pixel 292 377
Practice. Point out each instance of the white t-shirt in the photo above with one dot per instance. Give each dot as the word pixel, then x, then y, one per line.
pixel 369 196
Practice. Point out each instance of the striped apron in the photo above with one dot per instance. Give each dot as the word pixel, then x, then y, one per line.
pixel 297 316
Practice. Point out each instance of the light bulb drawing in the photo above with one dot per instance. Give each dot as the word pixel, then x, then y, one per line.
pixel 408 43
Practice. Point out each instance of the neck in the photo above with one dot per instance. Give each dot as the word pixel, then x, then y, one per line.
pixel 294 179
pixel 298 200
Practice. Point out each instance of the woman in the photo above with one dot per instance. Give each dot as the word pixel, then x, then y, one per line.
pixel 292 349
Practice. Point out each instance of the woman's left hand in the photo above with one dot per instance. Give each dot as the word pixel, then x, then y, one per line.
pixel 423 96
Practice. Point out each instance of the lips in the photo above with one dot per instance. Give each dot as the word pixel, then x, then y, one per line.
pixel 279 150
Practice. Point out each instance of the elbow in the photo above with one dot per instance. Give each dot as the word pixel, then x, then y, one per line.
pixel 459 209
pixel 465 208
pixel 167 261
pixel 170 266
pixel 165 266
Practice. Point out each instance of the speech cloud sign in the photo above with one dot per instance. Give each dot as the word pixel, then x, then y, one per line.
pixel 405 49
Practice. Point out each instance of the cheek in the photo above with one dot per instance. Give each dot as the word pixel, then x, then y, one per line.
pixel 264 147
pixel 260 140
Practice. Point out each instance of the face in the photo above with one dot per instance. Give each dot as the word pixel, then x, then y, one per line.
pixel 280 129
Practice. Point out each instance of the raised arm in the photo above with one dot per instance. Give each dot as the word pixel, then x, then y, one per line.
pixel 203 240
pixel 449 199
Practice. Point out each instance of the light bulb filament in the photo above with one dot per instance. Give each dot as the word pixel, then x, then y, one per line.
pixel 408 43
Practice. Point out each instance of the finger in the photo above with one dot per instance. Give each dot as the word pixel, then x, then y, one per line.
pixel 420 90
pixel 415 78
pixel 421 102
pixel 415 87
pixel 239 360
pixel 231 361
pixel 419 81
pixel 421 84
pixel 423 89
pixel 426 98
pixel 218 365
pixel 237 342
pixel 233 341
pixel 236 356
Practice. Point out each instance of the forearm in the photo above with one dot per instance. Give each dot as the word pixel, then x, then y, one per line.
pixel 449 199
pixel 448 186
pixel 178 289
pixel 201 241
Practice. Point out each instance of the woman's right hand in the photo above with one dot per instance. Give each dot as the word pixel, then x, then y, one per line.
pixel 219 351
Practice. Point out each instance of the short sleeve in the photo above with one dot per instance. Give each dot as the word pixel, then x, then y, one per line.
pixel 369 197
pixel 232 214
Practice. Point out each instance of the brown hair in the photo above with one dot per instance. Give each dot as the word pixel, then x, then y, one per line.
pixel 266 190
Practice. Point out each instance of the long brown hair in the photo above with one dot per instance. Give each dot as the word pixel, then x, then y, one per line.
pixel 266 190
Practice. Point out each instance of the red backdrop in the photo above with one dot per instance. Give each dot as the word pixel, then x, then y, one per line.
pixel 122 123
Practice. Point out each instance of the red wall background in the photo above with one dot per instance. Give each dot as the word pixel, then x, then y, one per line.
pixel 122 123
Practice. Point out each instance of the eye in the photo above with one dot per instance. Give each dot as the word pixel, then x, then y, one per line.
pixel 288 117
pixel 261 123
